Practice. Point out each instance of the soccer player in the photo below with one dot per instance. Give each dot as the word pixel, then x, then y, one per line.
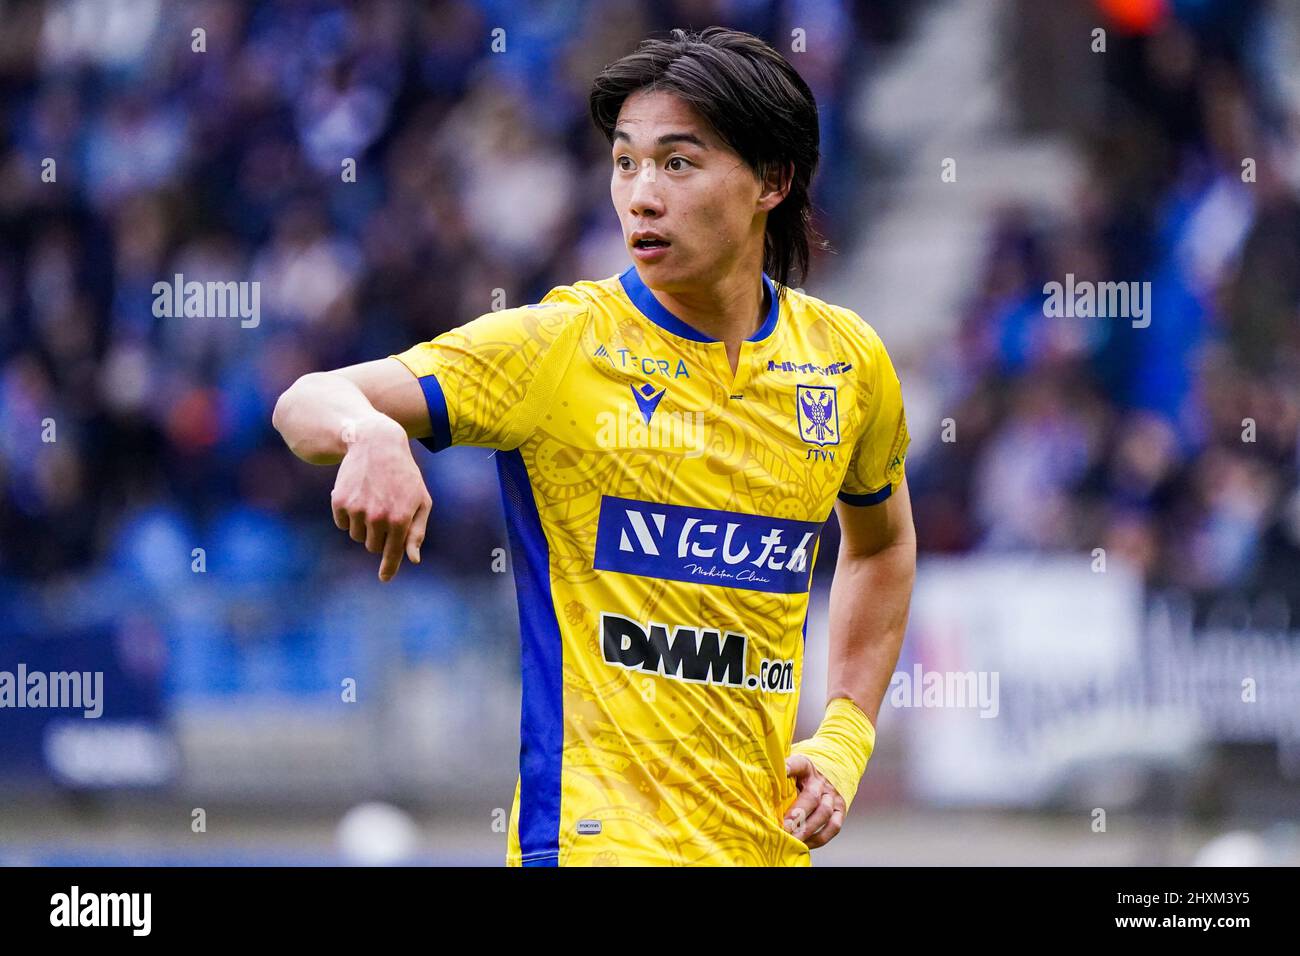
pixel 670 442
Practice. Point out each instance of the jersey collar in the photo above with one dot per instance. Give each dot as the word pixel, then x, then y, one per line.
pixel 654 310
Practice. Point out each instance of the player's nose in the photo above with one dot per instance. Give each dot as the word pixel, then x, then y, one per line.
pixel 646 199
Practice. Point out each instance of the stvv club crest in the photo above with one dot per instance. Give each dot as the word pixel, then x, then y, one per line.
pixel 819 417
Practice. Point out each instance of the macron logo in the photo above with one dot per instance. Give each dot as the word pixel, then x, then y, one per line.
pixel 647 399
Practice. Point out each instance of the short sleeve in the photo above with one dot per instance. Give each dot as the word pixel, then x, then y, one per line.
pixel 489 381
pixel 876 467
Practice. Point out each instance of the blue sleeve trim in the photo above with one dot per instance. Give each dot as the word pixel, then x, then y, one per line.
pixel 438 416
pixel 875 498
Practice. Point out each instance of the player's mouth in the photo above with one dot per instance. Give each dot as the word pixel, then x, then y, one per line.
pixel 649 246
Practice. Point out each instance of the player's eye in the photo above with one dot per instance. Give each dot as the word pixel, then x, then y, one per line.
pixel 677 159
pixel 624 163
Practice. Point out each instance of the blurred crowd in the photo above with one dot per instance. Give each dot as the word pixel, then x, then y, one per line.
pixel 218 140
pixel 1172 446
pixel 136 450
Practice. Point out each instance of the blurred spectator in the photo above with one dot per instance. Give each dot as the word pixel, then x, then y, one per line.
pixel 476 170
pixel 1173 444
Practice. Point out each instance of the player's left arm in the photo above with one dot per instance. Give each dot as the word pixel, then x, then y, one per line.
pixel 870 596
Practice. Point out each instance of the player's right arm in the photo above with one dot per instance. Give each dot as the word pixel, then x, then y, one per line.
pixel 362 417
pixel 487 383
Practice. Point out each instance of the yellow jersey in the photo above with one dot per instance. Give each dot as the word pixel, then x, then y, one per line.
pixel 664 516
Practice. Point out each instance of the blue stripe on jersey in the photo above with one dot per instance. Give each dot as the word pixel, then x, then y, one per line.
pixel 646 303
pixel 438 416
pixel 875 498
pixel 541 747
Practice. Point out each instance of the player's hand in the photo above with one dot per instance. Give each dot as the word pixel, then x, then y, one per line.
pixel 379 496
pixel 818 811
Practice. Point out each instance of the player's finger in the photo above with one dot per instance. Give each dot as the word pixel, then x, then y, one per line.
pixel 357 528
pixel 819 817
pixel 392 559
pixel 828 832
pixel 810 791
pixel 341 519
pixel 797 817
pixel 376 535
pixel 415 535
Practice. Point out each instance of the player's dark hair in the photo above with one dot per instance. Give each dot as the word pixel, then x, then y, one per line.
pixel 758 105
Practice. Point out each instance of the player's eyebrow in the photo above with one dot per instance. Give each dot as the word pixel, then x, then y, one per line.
pixel 666 139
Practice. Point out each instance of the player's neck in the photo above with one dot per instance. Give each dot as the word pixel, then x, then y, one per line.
pixel 731 309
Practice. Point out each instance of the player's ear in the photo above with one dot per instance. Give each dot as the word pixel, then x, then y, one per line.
pixel 774 183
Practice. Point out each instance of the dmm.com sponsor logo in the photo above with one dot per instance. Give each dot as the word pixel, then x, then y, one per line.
pixel 697 655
